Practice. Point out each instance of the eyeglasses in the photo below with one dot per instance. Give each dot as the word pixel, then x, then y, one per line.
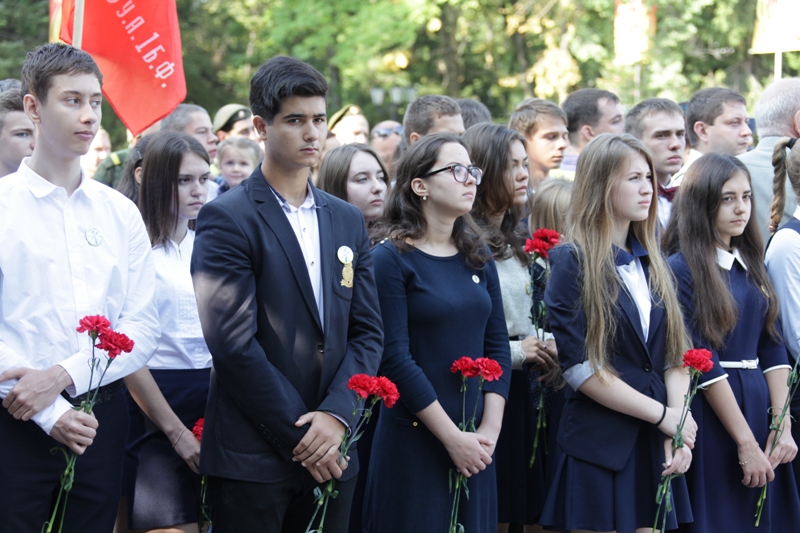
pixel 385 132
pixel 460 173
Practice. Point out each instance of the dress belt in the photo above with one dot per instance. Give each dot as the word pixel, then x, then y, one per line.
pixel 751 364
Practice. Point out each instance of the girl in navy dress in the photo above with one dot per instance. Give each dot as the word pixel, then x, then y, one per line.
pixel 440 300
pixel 783 259
pixel 731 309
pixel 612 307
pixel 498 209
pixel 162 481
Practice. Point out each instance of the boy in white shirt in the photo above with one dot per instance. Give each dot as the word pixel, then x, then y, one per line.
pixel 69 247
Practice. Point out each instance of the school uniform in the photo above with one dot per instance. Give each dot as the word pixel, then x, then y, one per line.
pixel 783 266
pixel 607 477
pixel 719 500
pixel 161 489
pixel 435 310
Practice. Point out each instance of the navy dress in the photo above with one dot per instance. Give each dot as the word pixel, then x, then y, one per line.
pixel 719 500
pixel 610 463
pixel 435 310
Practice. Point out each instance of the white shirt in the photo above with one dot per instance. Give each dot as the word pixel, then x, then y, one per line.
pixel 783 267
pixel 306 228
pixel 51 276
pixel 181 345
pixel 677 178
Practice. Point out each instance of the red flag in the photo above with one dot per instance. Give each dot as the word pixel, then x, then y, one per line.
pixel 137 46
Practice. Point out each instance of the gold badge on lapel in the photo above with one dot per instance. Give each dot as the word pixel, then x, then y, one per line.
pixel 345 255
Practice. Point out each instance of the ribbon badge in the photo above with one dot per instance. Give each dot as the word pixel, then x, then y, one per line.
pixel 345 255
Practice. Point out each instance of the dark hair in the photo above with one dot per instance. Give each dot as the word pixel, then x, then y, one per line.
pixel 706 105
pixel 52 59
pixel 424 110
pixel 158 193
pixel 582 107
pixel 489 147
pixel 473 112
pixel 403 217
pixel 10 101
pixel 634 120
pixel 282 77
pixel 784 165
pixel 336 166
pixel 692 231
pixel 127 184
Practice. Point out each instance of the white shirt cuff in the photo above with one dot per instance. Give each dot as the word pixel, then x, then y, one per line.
pixel 48 416
pixel 77 366
pixel 517 355
pixel 577 375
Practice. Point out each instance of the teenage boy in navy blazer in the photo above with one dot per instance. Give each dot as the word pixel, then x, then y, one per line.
pixel 288 304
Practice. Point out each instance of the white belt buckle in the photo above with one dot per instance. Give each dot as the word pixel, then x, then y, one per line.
pixel 750 365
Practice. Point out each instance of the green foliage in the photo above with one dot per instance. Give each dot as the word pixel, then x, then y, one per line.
pixel 498 51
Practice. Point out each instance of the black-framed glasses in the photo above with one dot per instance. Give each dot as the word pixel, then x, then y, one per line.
pixel 460 173
pixel 385 132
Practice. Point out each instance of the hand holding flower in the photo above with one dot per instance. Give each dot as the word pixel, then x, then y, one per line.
pixel 76 430
pixel 189 449
pixel 322 440
pixel 676 461
pixel 785 450
pixel 468 451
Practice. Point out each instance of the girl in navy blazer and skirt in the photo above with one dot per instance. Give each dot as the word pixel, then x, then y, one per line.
pixel 612 307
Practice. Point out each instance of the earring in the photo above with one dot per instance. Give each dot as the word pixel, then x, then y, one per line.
pixel 425 197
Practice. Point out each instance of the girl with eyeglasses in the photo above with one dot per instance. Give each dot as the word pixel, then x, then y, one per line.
pixel 612 307
pixel 440 300
pixel 732 310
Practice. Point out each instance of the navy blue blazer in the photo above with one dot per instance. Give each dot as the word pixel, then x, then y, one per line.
pixel 274 357
pixel 590 431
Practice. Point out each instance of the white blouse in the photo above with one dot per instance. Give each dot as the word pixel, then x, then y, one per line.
pixel 181 345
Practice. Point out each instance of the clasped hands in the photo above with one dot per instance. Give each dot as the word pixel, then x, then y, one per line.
pixel 36 390
pixel 318 450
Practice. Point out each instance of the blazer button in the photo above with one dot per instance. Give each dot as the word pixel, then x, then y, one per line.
pixel 320 348
pixel 648 367
pixel 415 424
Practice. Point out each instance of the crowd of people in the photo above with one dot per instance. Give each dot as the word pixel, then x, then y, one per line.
pixel 261 259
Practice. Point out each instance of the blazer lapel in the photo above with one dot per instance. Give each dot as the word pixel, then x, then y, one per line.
pixel 271 211
pixel 327 255
pixel 632 312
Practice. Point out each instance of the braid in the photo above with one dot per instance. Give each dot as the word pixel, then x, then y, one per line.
pixel 778 184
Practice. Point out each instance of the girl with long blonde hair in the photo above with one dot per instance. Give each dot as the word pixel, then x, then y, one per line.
pixel 612 307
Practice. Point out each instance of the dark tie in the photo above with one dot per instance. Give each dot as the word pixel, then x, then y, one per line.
pixel 667 192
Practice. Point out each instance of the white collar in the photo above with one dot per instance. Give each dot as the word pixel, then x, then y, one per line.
pixel 40 187
pixel 797 212
pixel 726 259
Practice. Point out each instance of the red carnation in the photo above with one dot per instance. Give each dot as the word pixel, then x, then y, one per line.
pixel 467 367
pixel 490 370
pixel 197 430
pixel 551 237
pixel 699 359
pixel 94 325
pixel 387 390
pixel 363 385
pixel 114 343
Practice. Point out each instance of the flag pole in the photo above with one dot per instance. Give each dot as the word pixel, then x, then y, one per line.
pixel 77 27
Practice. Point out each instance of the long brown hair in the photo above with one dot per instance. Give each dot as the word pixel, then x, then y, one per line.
pixel 550 205
pixel 158 193
pixel 590 227
pixel 403 217
pixel 692 231
pixel 489 147
pixel 336 167
pixel 783 165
